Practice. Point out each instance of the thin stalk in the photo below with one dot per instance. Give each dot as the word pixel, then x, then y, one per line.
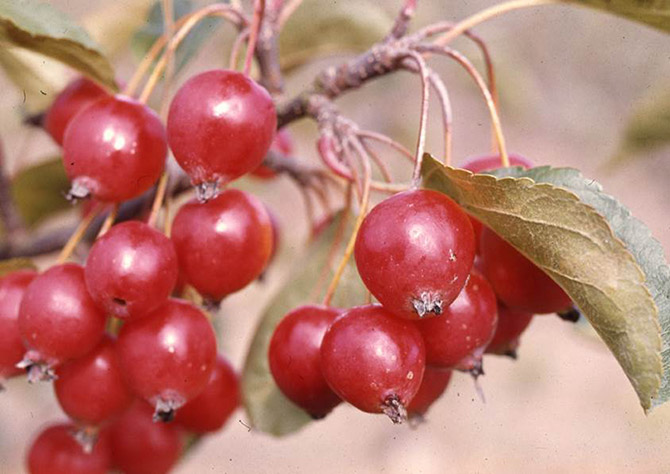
pixel 423 123
pixel 158 199
pixel 78 234
pixel 109 220
pixel 259 10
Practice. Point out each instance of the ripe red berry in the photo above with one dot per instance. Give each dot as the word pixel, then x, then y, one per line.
pixel 373 360
pixel 210 410
pixel 12 288
pixel 220 126
pixel 295 361
pixel 223 244
pixel 78 95
pixel 114 150
pixel 283 145
pixel 479 164
pixel 414 252
pixel 55 451
pixel 131 270
pixel 140 446
pixel 91 389
pixel 433 385
pixel 457 339
pixel 517 281
pixel 168 356
pixel 58 319
pixel 511 324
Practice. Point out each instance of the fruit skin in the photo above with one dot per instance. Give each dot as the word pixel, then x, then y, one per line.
pixel 55 451
pixel 115 149
pixel 168 356
pixel 140 446
pixel 12 288
pixel 373 360
pixel 220 126
pixel 131 270
pixel 479 164
pixel 78 95
pixel 283 145
pixel 465 328
pixel 511 324
pixel 223 244
pixel 58 319
pixel 433 385
pixel 210 410
pixel 91 389
pixel 414 252
pixel 295 360
pixel 518 282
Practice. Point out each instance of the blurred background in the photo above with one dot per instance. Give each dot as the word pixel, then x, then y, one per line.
pixel 570 80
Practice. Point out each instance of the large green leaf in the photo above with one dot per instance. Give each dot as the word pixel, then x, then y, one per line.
pixel 39 27
pixel 336 27
pixel 14 264
pixel 632 232
pixel 153 28
pixel 269 410
pixel 654 13
pixel 575 245
pixel 39 191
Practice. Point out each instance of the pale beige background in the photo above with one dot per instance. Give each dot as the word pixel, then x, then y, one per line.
pixel 569 78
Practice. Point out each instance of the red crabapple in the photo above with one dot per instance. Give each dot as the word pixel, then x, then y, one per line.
pixel 374 360
pixel 220 126
pixel 433 385
pixel 295 361
pixel 511 324
pixel 518 282
pixel 414 252
pixel 114 150
pixel 282 145
pixel 131 270
pixel 223 244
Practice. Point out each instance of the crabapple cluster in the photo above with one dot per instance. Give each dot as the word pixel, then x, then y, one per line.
pixel 134 365
pixel 449 290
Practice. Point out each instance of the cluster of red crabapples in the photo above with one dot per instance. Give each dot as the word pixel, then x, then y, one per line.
pixel 136 368
pixel 449 290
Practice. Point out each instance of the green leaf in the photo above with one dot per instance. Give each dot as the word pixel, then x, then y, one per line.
pixel 14 264
pixel 39 27
pixel 39 191
pixel 268 409
pixel 648 129
pixel 575 245
pixel 636 236
pixel 153 28
pixel 338 27
pixel 655 13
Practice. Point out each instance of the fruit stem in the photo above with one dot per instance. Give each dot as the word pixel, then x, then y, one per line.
pixel 109 220
pixel 368 134
pixel 259 10
pixel 241 38
pixel 425 96
pixel 158 199
pixel 445 104
pixel 486 14
pixel 78 234
pixel 168 32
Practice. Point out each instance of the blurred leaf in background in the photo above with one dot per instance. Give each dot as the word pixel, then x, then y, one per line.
pixel 655 13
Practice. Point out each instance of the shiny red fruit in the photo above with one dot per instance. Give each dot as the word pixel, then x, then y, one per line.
pixel 223 244
pixel 457 339
pixel 210 410
pixel 140 446
pixel 114 150
pixel 373 360
pixel 479 164
pixel 58 319
pixel 78 95
pixel 131 270
pixel 283 145
pixel 511 324
pixel 168 356
pixel 220 126
pixel 433 385
pixel 12 288
pixel 295 361
pixel 91 390
pixel 414 252
pixel 55 451
pixel 517 281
